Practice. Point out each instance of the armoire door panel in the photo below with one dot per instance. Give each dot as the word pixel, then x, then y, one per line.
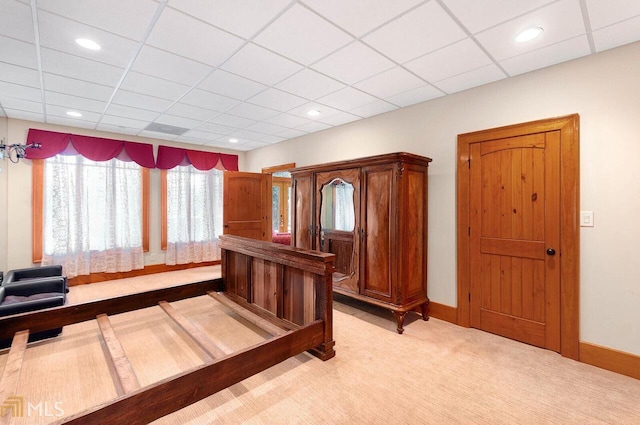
pixel 378 209
pixel 302 210
pixel 413 243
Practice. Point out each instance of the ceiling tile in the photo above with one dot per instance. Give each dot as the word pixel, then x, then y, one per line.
pixel 288 120
pixel 360 16
pixel 475 78
pixel 195 39
pixel 265 128
pixel 253 112
pixel 75 87
pixel 216 128
pixel 231 85
pixel 208 100
pixel 309 84
pixel 152 86
pixel 20 92
pixel 231 121
pixel 473 14
pixel 117 129
pixel 61 111
pixel 156 135
pixel 75 102
pixel 340 118
pixel 129 122
pixel 177 121
pixel 60 34
pixel 421 94
pixel 142 101
pixel 617 35
pixel 129 112
pixel 123 17
pixel 261 65
pixel 70 122
pixel 21 104
pixel 272 139
pixel 158 63
pixel 603 13
pixel 201 135
pixel 460 57
pixel 561 21
pixel 547 56
pixel 394 81
pixel 277 99
pixel 313 127
pixel 24 115
pixel 18 52
pixel 420 31
pixel 346 99
pixel 302 36
pixel 353 63
pixel 374 108
pixel 20 26
pixel 188 111
pixel 247 135
pixel 240 17
pixel 291 133
pixel 301 111
pixel 19 75
pixel 83 69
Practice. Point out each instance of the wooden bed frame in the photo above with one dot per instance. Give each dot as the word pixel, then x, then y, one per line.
pixel 283 290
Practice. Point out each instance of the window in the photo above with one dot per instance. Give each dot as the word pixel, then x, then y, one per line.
pixel 90 216
pixel 192 213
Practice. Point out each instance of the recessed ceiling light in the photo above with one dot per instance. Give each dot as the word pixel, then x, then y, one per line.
pixel 233 140
pixel 88 44
pixel 313 113
pixel 529 34
pixel 74 114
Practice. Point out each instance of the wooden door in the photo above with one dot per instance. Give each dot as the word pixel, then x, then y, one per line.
pixel 247 205
pixel 514 196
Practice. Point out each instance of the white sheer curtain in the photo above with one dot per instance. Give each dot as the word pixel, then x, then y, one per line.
pixel 92 215
pixel 194 215
pixel 344 210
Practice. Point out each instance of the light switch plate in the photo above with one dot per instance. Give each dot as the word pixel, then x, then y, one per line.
pixel 586 218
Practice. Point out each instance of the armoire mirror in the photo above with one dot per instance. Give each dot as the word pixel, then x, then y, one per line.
pixel 338 224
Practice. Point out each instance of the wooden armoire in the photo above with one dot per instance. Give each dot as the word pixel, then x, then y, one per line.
pixel 372 214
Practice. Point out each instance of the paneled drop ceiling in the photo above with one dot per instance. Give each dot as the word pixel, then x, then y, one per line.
pixel 250 70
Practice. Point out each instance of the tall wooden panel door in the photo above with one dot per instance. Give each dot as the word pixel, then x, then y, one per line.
pixel 514 196
pixel 247 205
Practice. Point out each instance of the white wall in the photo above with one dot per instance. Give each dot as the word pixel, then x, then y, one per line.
pixel 15 194
pixel 605 90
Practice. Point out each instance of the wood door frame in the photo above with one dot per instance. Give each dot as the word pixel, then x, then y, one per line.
pixel 569 220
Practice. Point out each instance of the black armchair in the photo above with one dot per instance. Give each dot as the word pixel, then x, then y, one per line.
pixel 35 294
pixel 21 275
pixel 32 273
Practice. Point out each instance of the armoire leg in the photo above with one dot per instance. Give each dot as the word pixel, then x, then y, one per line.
pixel 400 315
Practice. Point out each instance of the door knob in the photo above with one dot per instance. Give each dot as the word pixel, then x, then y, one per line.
pixel 551 251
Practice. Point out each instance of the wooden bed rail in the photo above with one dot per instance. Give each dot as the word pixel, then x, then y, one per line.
pixel 284 291
pixel 281 282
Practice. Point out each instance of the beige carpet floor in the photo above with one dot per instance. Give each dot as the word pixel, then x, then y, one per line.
pixel 435 373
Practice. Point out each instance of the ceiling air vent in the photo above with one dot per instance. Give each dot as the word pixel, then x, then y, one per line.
pixel 166 128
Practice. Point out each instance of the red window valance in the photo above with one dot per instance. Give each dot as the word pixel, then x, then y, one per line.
pixel 170 157
pixel 94 148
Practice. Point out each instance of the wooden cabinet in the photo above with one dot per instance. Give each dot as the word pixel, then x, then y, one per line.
pixel 372 214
